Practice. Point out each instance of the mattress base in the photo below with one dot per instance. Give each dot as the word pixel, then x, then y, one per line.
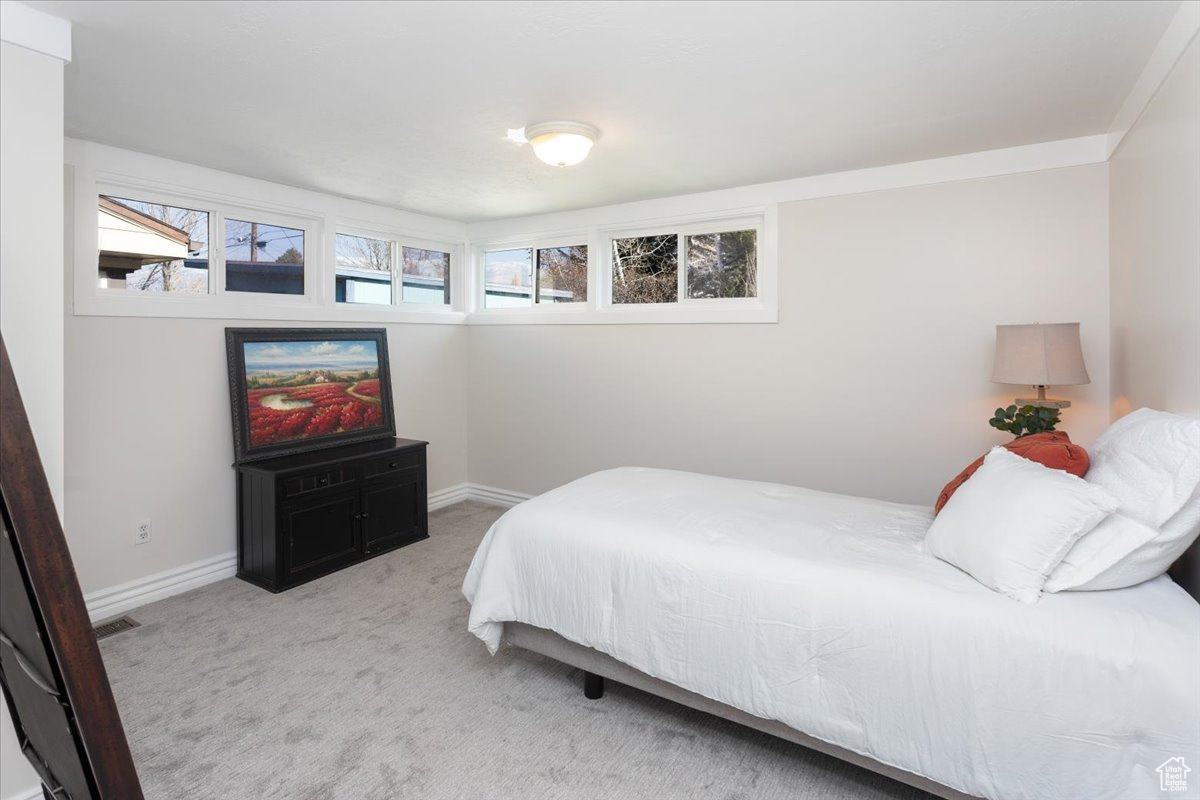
pixel 550 644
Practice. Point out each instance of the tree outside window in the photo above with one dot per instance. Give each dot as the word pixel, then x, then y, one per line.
pixel 646 269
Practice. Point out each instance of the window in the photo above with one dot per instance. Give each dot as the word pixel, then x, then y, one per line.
pixel 192 250
pixel 722 265
pixel 151 247
pixel 426 276
pixel 562 274
pixel 363 272
pixel 508 278
pixel 717 265
pixel 263 258
pixel 645 269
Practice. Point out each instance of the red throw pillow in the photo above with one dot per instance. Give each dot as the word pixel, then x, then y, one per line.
pixel 1054 450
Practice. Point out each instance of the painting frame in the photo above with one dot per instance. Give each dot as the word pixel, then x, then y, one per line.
pixel 284 339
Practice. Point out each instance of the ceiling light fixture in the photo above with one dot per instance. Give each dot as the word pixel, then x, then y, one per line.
pixel 561 144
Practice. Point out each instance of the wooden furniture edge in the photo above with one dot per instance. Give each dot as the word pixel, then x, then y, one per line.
pixel 36 530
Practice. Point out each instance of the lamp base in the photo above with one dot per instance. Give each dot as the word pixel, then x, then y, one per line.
pixel 1042 402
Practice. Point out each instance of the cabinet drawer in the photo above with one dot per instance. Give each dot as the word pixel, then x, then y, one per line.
pixel 393 463
pixel 302 483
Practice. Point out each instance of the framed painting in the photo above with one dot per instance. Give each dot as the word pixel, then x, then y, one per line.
pixel 298 389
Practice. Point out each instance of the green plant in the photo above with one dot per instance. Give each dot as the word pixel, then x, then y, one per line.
pixel 1024 420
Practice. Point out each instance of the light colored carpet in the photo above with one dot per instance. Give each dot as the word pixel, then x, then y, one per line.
pixel 366 685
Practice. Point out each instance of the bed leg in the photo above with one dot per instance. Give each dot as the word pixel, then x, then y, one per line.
pixel 593 686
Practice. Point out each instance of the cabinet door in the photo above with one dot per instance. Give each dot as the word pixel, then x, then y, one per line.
pixel 321 534
pixel 393 512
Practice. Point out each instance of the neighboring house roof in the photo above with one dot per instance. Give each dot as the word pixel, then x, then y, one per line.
pixel 145 220
pixel 130 239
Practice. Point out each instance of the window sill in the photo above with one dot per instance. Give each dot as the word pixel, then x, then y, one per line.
pixel 301 309
pixel 665 314
pixel 258 307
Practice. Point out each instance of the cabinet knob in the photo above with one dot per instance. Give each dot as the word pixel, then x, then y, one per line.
pixel 363 515
pixel 393 464
pixel 323 481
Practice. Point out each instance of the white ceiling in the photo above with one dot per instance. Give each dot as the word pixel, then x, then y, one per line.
pixel 408 104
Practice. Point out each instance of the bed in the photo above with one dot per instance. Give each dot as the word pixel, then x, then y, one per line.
pixel 820 618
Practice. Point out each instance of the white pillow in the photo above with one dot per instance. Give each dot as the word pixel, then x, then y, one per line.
pixel 1185 525
pixel 1150 461
pixel 1104 547
pixel 1011 524
pixel 1150 559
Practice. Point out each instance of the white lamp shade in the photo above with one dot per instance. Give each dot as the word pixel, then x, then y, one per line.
pixel 1039 355
pixel 561 144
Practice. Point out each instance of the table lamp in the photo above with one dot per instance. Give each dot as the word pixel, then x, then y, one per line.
pixel 1040 355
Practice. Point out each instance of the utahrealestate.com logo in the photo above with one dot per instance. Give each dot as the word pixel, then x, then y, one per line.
pixel 1172 775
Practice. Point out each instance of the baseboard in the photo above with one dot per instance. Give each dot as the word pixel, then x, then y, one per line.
pixel 493 496
pixel 449 496
pixel 116 600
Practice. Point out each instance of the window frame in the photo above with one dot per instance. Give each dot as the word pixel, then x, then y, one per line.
pixel 91 242
pixel 599 308
pixel 451 273
pixel 479 294
pixel 682 231
pixel 704 302
pixel 482 307
pixel 346 230
pixel 158 199
pixel 537 283
pixel 232 304
pixel 397 241
pixel 84 185
pixel 311 227
pixel 91 170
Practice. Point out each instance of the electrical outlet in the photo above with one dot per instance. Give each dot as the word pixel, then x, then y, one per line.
pixel 142 534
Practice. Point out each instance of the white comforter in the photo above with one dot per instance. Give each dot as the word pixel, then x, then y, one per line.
pixel 823 612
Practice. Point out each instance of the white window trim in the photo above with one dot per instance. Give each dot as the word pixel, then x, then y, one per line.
pixel 456 271
pixel 317 304
pixel 599 308
pixel 721 225
pixel 342 229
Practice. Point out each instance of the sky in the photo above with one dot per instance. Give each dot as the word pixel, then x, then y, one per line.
pixel 283 356
pixel 274 240
pixel 509 267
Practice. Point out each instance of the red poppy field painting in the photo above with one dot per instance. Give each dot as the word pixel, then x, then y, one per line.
pixel 284 413
pixel 294 392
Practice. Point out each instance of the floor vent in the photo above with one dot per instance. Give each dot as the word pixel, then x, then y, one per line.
pixel 113 627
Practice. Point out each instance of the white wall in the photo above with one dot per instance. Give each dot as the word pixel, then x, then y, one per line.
pixel 148 435
pixel 875 380
pixel 1155 247
pixel 31 242
pixel 147 406
pixel 31 281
